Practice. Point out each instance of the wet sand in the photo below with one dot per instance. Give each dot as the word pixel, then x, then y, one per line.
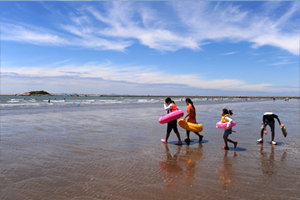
pixel 114 152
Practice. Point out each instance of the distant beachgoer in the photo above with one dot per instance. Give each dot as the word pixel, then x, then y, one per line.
pixel 191 117
pixel 49 100
pixel 170 106
pixel 268 119
pixel 226 118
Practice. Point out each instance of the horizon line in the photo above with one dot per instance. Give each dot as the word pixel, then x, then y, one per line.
pixel 132 95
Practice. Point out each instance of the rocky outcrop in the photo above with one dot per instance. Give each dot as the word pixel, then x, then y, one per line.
pixel 26 94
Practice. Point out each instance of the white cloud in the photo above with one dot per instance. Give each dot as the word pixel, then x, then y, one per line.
pixel 150 31
pixel 230 22
pixel 287 42
pixel 33 35
pixel 130 75
pixel 186 25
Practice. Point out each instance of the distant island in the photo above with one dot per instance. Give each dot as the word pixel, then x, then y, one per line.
pixel 36 93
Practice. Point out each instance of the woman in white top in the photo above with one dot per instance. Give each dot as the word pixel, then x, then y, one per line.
pixel 170 106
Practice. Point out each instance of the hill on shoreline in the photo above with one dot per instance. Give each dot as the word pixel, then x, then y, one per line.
pixel 36 93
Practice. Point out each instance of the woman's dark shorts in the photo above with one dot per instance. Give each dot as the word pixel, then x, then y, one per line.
pixel 172 125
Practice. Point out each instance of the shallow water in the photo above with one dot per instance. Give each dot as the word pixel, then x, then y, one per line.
pixel 113 151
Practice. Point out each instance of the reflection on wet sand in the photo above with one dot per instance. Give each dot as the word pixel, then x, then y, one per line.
pixel 268 163
pixel 190 159
pixel 226 171
pixel 173 171
pixel 180 168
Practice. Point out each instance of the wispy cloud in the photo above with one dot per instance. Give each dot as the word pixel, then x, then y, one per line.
pixel 283 62
pixel 220 21
pixel 188 25
pixel 229 53
pixel 132 75
pixel 30 34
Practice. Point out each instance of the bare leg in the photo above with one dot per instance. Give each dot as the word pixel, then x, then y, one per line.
pixel 262 133
pixel 229 140
pixel 200 136
pixel 167 136
pixel 188 134
pixel 197 134
pixel 273 135
pixel 187 140
pixel 225 136
pixel 178 136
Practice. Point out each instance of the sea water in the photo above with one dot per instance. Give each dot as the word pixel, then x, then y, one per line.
pixel 7 101
pixel 109 148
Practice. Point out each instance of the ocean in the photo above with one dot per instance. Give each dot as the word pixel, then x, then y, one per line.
pixel 9 101
pixel 110 148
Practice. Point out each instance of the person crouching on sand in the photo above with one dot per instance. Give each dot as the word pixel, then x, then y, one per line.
pixel 191 117
pixel 226 118
pixel 268 119
pixel 170 106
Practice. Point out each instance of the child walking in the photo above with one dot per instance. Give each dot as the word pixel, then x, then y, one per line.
pixel 191 117
pixel 226 118
pixel 170 106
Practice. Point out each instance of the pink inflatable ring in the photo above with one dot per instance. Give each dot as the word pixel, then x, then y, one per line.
pixel 224 125
pixel 171 116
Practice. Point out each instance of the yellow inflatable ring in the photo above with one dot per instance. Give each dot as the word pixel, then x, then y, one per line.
pixel 194 127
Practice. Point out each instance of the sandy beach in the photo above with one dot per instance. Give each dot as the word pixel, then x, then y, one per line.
pixel 113 151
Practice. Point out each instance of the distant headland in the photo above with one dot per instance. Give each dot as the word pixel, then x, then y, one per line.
pixel 36 93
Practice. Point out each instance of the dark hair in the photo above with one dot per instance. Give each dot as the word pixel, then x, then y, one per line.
pixel 226 111
pixel 189 101
pixel 169 100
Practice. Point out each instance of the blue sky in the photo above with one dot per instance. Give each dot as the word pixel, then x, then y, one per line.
pixel 151 47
